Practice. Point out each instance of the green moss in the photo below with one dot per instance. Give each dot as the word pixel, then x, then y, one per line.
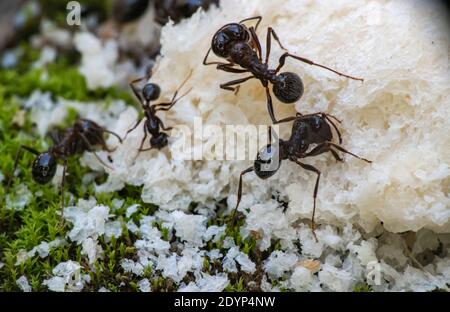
pixel 362 287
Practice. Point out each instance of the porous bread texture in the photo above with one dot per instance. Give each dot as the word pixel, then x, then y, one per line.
pixel 398 117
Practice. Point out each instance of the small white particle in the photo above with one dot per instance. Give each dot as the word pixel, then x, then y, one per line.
pixel 131 210
pixel 22 282
pixel 144 285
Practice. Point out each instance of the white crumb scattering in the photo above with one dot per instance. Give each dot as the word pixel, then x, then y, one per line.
pixel 21 256
pixel 214 254
pixel 269 220
pixel 229 264
pixel 86 222
pixel 280 263
pixel 67 277
pixel 131 210
pixel 48 55
pixel 207 283
pixel 228 242
pixel 233 256
pixel 97 60
pixel 189 228
pixel 335 279
pixel 22 282
pixel 214 233
pixel 91 249
pixel 113 229
pixel 21 198
pixel 301 279
pixel 176 267
pixel 246 264
pixel 117 203
pixel 129 265
pixel 132 227
pixel 43 249
pixel 144 285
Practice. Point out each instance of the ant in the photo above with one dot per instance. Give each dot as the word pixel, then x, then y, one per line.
pixel 81 137
pixel 306 130
pixel 240 45
pixel 153 124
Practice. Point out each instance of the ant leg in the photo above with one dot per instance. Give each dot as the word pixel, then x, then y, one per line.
pixel 230 69
pixel 174 97
pixel 135 91
pixel 316 189
pixel 340 148
pixel 134 127
pixel 270 106
pixel 270 32
pixel 239 196
pixel 334 126
pixel 336 155
pixel 16 161
pixel 211 63
pixel 227 86
pixel 327 147
pixel 142 143
pixel 255 40
pixel 113 133
pixel 259 18
pixel 83 137
pixel 162 125
pixel 161 106
pixel 282 60
pixel 287 119
pixel 62 192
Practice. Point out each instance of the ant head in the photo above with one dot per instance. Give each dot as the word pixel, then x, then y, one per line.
pixel 159 141
pixel 44 168
pixel 288 88
pixel 268 161
pixel 151 92
pixel 228 34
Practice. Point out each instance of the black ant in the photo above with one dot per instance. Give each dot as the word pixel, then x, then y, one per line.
pixel 153 124
pixel 81 137
pixel 306 130
pixel 240 45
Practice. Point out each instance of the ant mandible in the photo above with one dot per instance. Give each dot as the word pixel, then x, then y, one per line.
pixel 240 45
pixel 306 130
pixel 153 124
pixel 81 137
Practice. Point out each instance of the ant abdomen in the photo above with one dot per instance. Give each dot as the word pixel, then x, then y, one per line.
pixel 159 141
pixel 288 87
pixel 267 161
pixel 44 168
